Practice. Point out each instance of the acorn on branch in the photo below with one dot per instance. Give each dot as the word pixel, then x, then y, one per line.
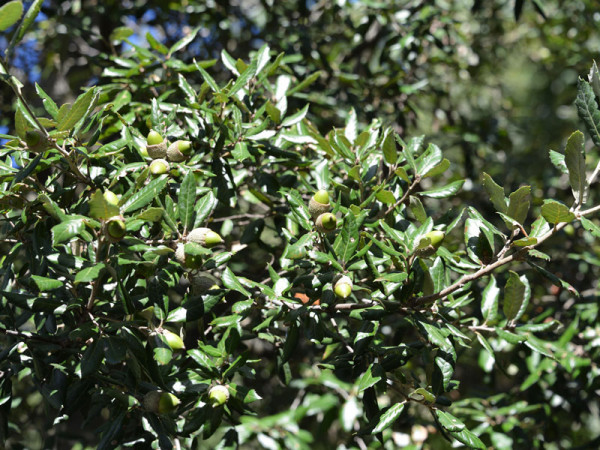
pixel 326 222
pixel 343 287
pixel 425 248
pixel 205 237
pixel 159 166
pixel 179 151
pixel 114 228
pixel 218 395
pixel 36 141
pixel 160 402
pixel 156 145
pixel 319 203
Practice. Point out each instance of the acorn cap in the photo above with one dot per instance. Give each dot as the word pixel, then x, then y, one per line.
pixel 218 395
pixel 326 222
pixel 159 166
pixel 343 287
pixel 205 237
pixel 319 204
pixel 179 150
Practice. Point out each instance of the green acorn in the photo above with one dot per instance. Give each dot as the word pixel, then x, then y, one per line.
pixel 203 282
pixel 343 287
pixel 179 151
pixel 218 395
pixel 425 249
pixel 114 228
pixel 319 203
pixel 160 402
pixel 36 141
pixel 436 237
pixel 157 146
pixel 188 261
pixel 173 339
pixel 326 222
pixel 205 237
pixel 159 166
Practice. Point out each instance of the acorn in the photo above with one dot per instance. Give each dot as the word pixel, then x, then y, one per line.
pixel 203 282
pixel 218 395
pixel 114 228
pixel 160 402
pixel 173 339
pixel 435 241
pixel 159 166
pixel 343 287
pixel 326 222
pixel 179 151
pixel 157 146
pixel 319 203
pixel 205 237
pixel 36 141
pixel 189 261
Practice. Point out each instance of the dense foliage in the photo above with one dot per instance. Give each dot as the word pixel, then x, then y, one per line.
pixel 237 235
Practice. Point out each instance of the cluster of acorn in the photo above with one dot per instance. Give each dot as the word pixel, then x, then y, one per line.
pixel 319 208
pixel 161 152
pixel 160 402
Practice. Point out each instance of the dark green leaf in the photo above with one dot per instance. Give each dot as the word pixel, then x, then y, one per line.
pixel 514 296
pixel 496 193
pixel 187 200
pixel 518 204
pixel 555 212
pixel 389 417
pixel 144 196
pixel 587 108
pixel 575 161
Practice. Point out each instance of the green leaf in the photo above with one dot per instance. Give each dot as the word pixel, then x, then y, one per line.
pixel 444 191
pixel 183 42
pixel 89 273
pixel 468 438
pixel 43 283
pixel 209 80
pixel 144 196
pixel 100 208
pixel 243 79
pixel 66 230
pixel 231 281
pixel 448 421
pixel 587 109
pixel 49 104
pixel 555 212
pixel 80 109
pixel 119 34
pixel 299 208
pixel 295 118
pixel 369 378
pixel 514 297
pixel 386 197
pixel 304 83
pixel 575 161
pixel 557 281
pixel 429 159
pixel 187 200
pixel 346 242
pixel 496 193
pixel 204 208
pixel 10 13
pixel 518 204
pixel 489 300
pixel 29 18
pixel 446 370
pixel 388 417
pixel 155 44
pixel 558 160
pixel 151 214
pixel 590 226
pixel 390 151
